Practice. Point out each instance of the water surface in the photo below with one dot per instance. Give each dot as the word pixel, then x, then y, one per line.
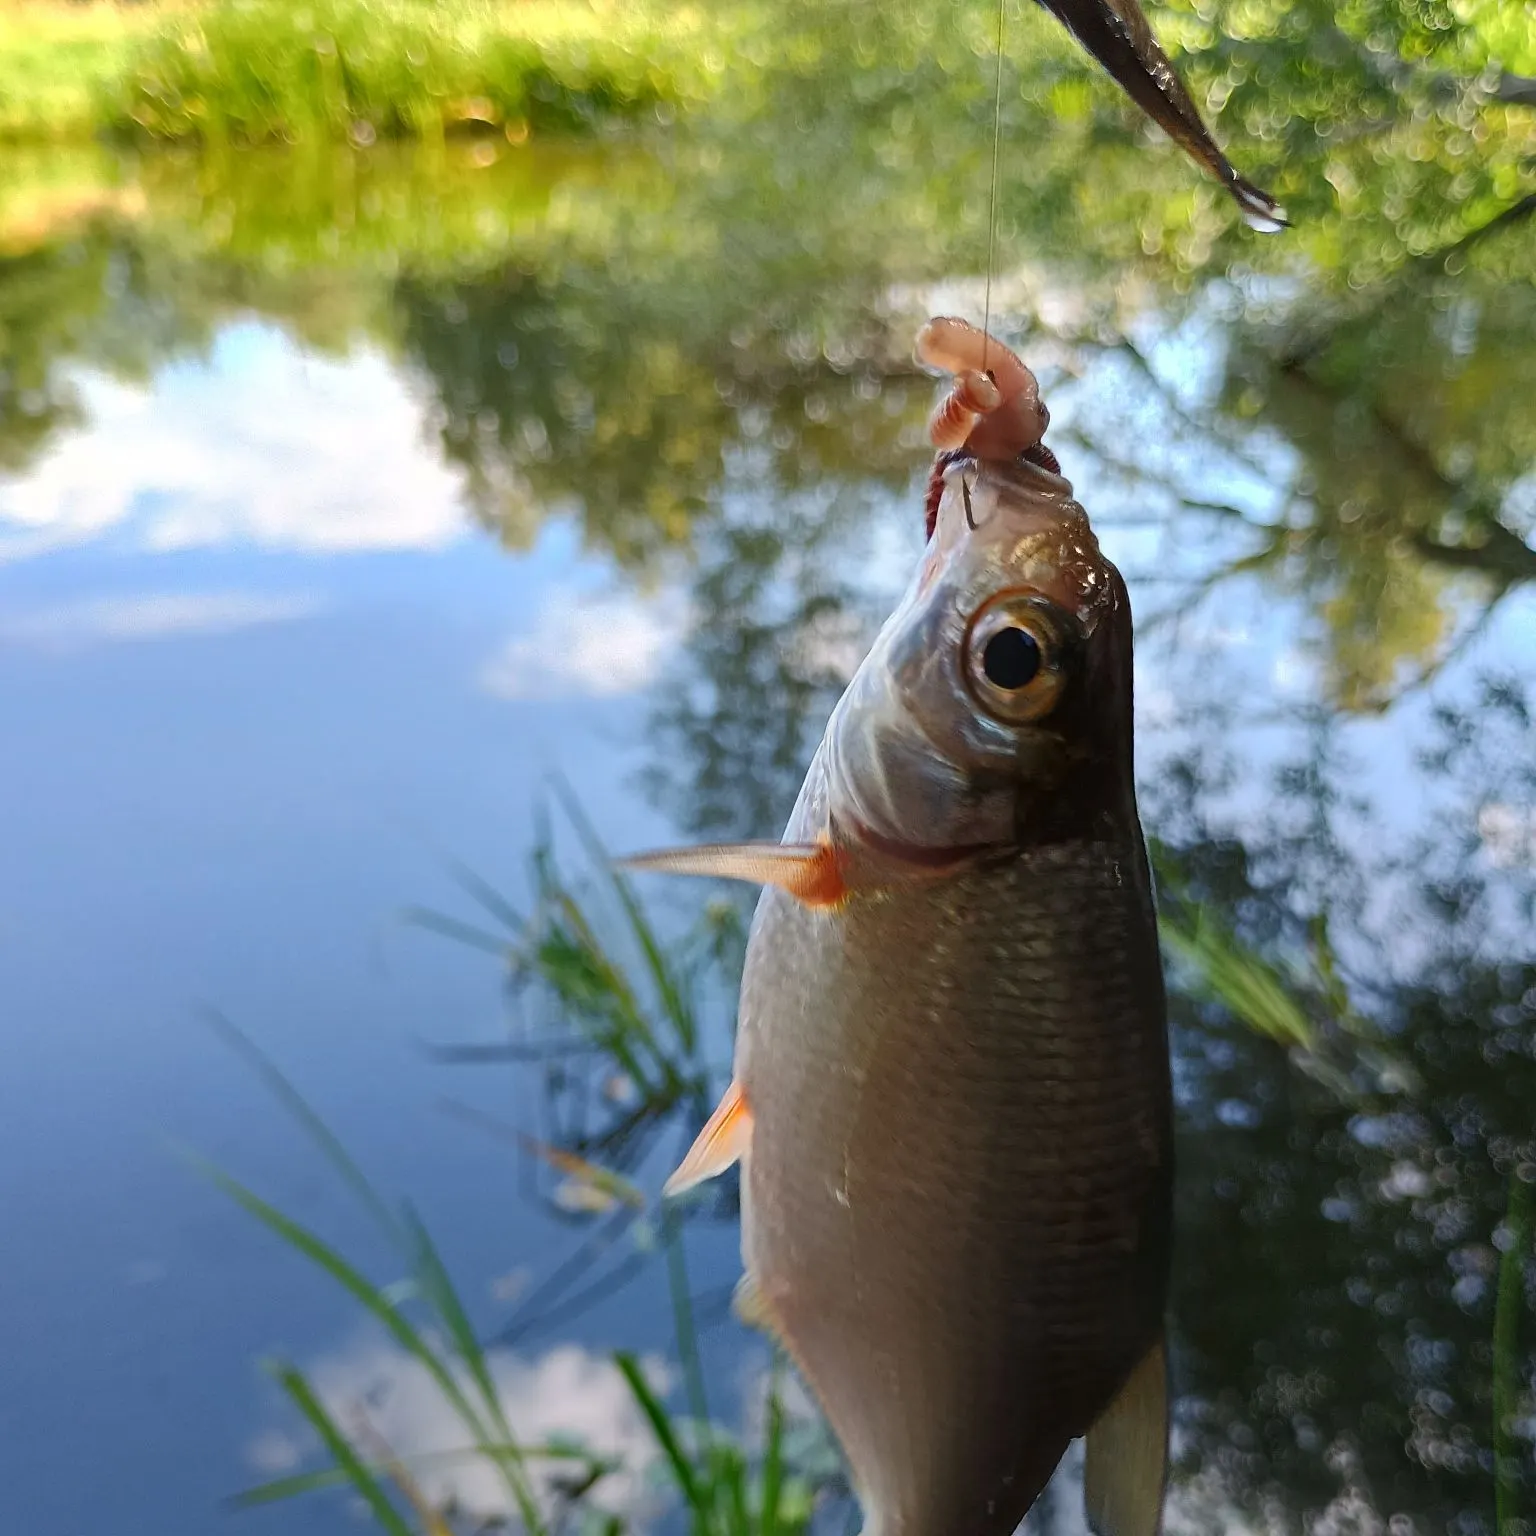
pixel 351 499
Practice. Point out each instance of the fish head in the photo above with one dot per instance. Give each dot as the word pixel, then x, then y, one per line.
pixel 994 709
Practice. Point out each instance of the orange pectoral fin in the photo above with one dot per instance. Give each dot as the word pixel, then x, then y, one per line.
pixel 810 872
pixel 725 1138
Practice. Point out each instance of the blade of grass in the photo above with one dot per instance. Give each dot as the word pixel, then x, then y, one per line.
pixel 432 1523
pixel 566 1274
pixel 1506 1359
pixel 486 896
pixel 682 1320
pixel 616 985
pixel 773 1451
pixel 1250 987
pixel 673 999
pixel 357 1473
pixel 580 976
pixel 661 1426
pixel 299 1108
pixel 440 1292
pixel 580 1301
pixel 453 928
pixel 728 1482
pixel 606 991
pixel 357 1285
pixel 280 1488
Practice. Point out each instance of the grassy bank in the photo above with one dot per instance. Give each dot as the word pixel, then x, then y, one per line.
pixel 261 71
pixel 57 60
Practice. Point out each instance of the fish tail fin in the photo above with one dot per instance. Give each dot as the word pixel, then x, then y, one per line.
pixel 1126 1468
pixel 1260 211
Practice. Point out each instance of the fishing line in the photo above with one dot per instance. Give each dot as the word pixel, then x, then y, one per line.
pixel 997 139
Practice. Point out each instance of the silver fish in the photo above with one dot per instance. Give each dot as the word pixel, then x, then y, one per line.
pixel 951 1094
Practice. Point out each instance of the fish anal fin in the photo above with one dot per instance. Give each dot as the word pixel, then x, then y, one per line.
pixel 724 1140
pixel 810 872
pixel 753 1309
pixel 1126 1466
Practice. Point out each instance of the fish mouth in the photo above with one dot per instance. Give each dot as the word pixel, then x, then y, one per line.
pixel 1029 470
pixel 1025 476
pixel 1016 525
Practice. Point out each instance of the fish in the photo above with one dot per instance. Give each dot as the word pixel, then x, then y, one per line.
pixel 1118 35
pixel 951 1095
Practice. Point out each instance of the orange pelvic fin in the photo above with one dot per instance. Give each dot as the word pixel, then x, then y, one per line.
pixel 725 1138
pixel 754 1310
pixel 810 872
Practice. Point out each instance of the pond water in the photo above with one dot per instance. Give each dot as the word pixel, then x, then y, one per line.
pixel 353 503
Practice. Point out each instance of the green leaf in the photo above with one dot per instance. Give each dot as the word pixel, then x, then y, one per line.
pixel 666 1437
pixel 439 1290
pixel 357 1285
pixel 298 1106
pixel 773 1453
pixel 355 1469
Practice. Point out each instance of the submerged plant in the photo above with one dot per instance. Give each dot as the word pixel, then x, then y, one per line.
pixel 727 1488
pixel 608 1013
pixel 606 1008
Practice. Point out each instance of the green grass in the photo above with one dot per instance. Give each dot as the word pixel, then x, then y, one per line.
pixel 603 992
pixel 725 1487
pixel 282 71
pixel 424 1316
pixel 258 71
pixel 600 984
pixel 56 60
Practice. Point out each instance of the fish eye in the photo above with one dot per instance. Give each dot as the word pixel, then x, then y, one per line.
pixel 1013 658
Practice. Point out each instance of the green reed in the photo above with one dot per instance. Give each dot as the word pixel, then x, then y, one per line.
pixel 601 990
pixel 726 1488
pixel 425 1317
pixel 602 994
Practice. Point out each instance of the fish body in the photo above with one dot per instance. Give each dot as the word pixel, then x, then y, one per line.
pixel 956 1200
pixel 951 1096
pixel 1118 35
pixel 954 1211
